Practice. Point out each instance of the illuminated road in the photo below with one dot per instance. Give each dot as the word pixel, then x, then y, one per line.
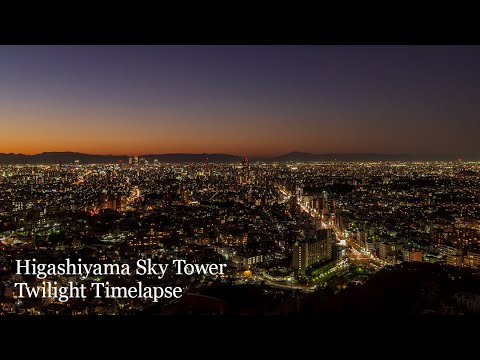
pixel 358 256
pixel 134 195
pixel 285 285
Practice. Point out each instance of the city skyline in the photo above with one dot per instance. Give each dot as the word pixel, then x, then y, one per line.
pixel 242 100
pixel 241 238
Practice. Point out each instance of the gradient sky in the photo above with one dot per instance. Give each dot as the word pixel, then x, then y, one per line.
pixel 246 100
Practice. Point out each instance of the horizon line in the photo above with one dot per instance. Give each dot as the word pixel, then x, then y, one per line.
pixel 246 155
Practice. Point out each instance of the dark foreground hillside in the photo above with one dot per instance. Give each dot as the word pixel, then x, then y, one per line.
pixel 406 289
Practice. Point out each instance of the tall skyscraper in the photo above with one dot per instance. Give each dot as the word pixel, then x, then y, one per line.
pixel 312 251
pixel 245 177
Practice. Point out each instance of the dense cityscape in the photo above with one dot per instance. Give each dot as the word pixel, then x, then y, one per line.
pixel 310 237
pixel 285 180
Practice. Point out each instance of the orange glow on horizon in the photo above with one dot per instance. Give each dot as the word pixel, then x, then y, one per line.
pixel 109 133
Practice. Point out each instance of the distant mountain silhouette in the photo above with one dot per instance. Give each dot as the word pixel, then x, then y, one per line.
pixel 306 157
pixel 71 157
pixel 296 156
pixel 60 157
pixel 309 157
pixel 194 158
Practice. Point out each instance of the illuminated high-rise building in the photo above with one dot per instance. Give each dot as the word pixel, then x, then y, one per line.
pixel 245 174
pixel 412 255
pixel 133 160
pixel 102 198
pixel 385 249
pixel 186 197
pixel 472 259
pixel 312 251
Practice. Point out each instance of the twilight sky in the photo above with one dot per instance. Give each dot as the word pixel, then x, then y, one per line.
pixel 246 100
